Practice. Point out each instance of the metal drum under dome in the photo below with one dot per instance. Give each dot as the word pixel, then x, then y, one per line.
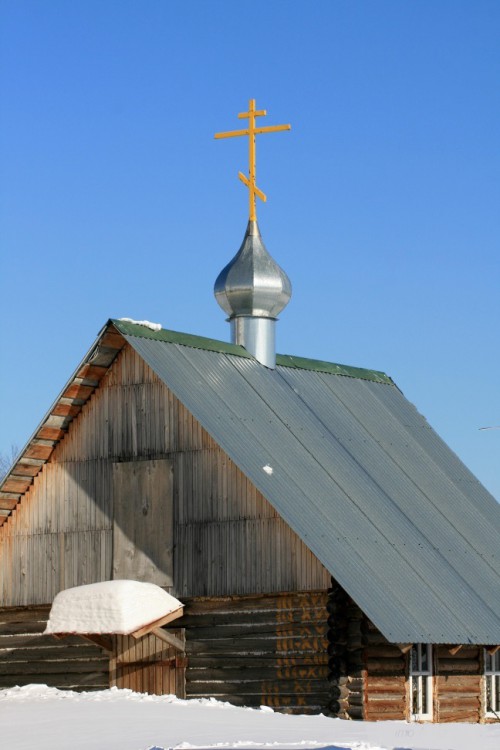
pixel 252 289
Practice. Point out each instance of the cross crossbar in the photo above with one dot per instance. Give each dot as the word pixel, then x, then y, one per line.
pixel 251 132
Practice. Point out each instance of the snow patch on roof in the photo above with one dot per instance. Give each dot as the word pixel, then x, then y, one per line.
pixel 145 323
pixel 109 607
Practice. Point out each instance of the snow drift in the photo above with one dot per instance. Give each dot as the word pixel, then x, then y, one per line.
pixel 110 607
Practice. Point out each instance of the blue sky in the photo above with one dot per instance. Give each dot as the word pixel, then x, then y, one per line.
pixel 383 200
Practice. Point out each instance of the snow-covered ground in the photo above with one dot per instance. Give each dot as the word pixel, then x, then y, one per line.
pixel 36 717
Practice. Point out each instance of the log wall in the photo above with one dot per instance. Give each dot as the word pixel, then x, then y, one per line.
pixel 302 653
pixel 27 656
pixel 347 672
pixel 253 651
pixel 369 675
pixel 458 684
pixel 386 686
pixel 227 538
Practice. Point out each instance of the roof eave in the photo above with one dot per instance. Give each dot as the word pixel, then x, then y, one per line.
pixel 54 425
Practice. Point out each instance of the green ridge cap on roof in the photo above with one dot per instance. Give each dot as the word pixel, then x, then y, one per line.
pixel 222 347
pixel 289 360
pixel 184 339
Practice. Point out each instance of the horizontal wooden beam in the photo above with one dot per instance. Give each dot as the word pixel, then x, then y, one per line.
pixel 39 451
pixel 91 372
pixel 17 485
pixel 112 339
pixel 7 505
pixel 103 641
pixel 25 470
pixel 51 433
pixel 10 496
pixel 75 391
pixel 63 409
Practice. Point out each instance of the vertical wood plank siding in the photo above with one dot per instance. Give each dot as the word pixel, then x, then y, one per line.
pixel 259 650
pixel 228 539
pixel 27 656
pixel 148 665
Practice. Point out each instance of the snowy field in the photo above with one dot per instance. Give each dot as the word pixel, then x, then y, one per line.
pixel 36 717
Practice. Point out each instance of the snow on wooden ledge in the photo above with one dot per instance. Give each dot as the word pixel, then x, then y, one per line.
pixel 112 607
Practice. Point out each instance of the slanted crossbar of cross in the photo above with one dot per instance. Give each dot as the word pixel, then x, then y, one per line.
pixel 251 132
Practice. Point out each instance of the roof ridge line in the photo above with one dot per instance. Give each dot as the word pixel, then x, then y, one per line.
pixel 222 347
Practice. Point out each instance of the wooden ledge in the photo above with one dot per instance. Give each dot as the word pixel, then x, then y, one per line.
pixel 105 641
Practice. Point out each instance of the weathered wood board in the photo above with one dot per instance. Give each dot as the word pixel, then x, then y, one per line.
pixel 149 665
pixel 143 524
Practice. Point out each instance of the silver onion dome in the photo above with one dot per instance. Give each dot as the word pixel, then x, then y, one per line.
pixel 252 283
pixel 252 290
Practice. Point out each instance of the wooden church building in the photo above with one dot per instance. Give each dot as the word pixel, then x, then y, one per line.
pixel 331 552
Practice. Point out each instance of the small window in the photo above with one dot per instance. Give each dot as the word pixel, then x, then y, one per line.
pixel 492 684
pixel 421 681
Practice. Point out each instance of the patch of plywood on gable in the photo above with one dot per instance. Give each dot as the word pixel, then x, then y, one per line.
pixel 143 521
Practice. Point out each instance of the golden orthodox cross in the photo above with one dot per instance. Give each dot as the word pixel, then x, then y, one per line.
pixel 252 131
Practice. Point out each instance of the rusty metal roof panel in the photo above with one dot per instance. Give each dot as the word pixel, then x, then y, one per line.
pixel 360 476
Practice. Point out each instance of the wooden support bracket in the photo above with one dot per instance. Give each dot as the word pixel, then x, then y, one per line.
pixel 158 623
pixel 404 647
pixel 492 650
pixel 169 638
pixel 454 649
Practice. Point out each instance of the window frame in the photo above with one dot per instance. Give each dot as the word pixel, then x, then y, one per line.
pixel 423 680
pixel 491 670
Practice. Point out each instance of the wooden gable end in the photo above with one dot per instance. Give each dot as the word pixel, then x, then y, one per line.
pixel 56 422
pixel 192 521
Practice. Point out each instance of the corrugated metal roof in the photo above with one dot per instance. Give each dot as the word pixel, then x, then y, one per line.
pixel 85 380
pixel 360 476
